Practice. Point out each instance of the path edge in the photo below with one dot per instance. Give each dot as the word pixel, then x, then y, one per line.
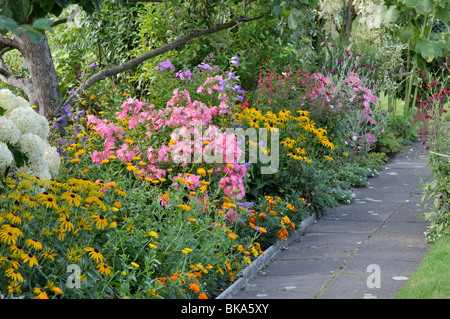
pixel 251 270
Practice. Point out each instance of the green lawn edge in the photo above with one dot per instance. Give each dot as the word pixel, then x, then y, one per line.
pixel 431 280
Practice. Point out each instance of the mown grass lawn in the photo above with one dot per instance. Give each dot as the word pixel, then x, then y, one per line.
pixel 432 279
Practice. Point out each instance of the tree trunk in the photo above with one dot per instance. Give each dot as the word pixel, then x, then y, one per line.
pixel 348 27
pixel 38 59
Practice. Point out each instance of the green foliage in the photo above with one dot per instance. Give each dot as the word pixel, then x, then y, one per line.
pixel 31 15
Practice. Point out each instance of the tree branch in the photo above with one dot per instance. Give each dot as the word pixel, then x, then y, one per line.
pixel 165 48
pixel 24 84
pixel 9 41
pixel 68 19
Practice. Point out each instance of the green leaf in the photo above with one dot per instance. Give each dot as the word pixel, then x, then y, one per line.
pixel 34 35
pixel 406 33
pixel 43 25
pixel 19 158
pixel 21 9
pixel 443 15
pixel 421 6
pixel 2 111
pixel 292 22
pixel 429 49
pixel 277 10
pixel 7 24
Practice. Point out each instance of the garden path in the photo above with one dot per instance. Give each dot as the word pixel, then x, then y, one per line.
pixel 367 249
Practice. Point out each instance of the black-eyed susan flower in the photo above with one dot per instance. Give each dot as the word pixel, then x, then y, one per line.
pixel 94 254
pixel 33 243
pixel 14 288
pixel 13 229
pixel 72 198
pixel 40 293
pixel 74 254
pixel 61 233
pixel 13 218
pixel 6 261
pixel 30 259
pixel 66 224
pixel 83 224
pixel 16 250
pixel 7 237
pixel 104 269
pixel 49 201
pixel 48 253
pixel 100 221
pixel 14 274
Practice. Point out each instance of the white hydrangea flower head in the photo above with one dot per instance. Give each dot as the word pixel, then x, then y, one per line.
pixel 32 146
pixel 53 160
pixel 7 100
pixel 44 129
pixel 26 119
pixel 6 157
pixel 9 132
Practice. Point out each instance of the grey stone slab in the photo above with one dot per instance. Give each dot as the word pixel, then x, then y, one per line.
pixel 379 198
pixel 392 252
pixel 304 251
pixel 304 266
pixel 360 215
pixel 284 287
pixel 354 286
pixel 343 226
pixel 359 264
pixel 393 239
pixel 403 227
pixel 403 188
pixel 333 239
pixel 407 216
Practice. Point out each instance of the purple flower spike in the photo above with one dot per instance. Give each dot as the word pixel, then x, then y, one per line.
pixel 235 60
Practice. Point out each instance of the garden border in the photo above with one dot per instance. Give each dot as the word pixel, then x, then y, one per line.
pixel 250 271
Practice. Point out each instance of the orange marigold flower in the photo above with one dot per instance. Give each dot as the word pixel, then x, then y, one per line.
pixel 202 296
pixel 194 287
pixel 282 234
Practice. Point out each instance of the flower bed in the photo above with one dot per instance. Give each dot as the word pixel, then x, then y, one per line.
pixel 167 198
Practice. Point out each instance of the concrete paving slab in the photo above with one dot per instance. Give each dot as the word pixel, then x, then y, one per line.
pixel 359 264
pixel 354 286
pixel 342 226
pixel 403 227
pixel 391 252
pixel 395 239
pixel 284 287
pixel 407 216
pixel 305 251
pixel 333 239
pixel 360 215
pixel 291 267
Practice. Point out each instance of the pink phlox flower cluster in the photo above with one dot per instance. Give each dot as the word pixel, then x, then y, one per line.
pixel 233 183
